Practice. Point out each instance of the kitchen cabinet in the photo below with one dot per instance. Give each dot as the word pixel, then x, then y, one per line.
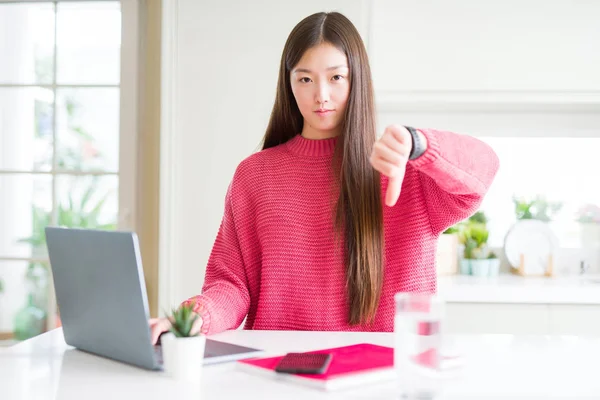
pixel 514 318
pixel 574 319
pixel 466 318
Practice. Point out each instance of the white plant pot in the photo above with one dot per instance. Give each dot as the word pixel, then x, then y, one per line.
pixel 494 266
pixel 480 267
pixel 183 357
pixel 465 266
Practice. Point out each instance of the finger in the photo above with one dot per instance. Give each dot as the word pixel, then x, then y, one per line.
pixel 197 326
pixel 401 134
pixel 160 327
pixel 393 192
pixel 153 321
pixel 385 167
pixel 155 332
pixel 382 151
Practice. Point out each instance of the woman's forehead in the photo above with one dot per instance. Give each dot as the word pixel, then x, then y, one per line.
pixel 321 58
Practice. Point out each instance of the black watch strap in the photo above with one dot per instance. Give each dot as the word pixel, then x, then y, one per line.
pixel 417 145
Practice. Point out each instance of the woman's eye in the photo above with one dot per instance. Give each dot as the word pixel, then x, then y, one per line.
pixel 337 77
pixel 305 80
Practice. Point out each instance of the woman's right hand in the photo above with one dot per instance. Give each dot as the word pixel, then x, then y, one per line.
pixel 160 325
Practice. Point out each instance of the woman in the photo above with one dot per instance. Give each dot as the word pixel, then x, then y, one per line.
pixel 306 241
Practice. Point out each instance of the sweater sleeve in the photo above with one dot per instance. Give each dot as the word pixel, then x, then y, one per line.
pixel 225 297
pixel 455 173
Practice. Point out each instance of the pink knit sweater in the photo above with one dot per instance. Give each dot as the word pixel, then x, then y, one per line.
pixel 274 259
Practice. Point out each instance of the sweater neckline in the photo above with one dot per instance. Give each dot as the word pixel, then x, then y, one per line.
pixel 311 147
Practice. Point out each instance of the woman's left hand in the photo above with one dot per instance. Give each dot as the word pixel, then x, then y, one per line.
pixel 389 157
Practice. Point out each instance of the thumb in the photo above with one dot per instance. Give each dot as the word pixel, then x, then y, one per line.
pixel 197 326
pixel 393 189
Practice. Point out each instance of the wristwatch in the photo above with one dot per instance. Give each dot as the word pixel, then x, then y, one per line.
pixel 418 147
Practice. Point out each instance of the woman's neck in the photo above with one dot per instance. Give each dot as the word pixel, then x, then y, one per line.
pixel 308 132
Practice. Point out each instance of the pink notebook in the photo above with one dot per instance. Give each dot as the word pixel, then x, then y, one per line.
pixel 350 366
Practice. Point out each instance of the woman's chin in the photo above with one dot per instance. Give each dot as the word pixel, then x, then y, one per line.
pixel 328 128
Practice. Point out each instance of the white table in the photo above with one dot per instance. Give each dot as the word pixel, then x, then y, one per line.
pixel 497 367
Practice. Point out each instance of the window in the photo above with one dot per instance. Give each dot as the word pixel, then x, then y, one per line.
pixel 558 177
pixel 61 135
pixel 561 171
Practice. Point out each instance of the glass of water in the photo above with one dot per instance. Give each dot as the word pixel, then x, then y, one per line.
pixel 417 345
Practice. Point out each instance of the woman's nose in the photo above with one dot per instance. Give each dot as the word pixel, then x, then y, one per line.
pixel 322 95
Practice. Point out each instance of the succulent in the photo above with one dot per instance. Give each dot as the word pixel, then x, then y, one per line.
pixel 182 320
pixel 474 234
pixel 479 217
pixel 453 229
pixel 481 253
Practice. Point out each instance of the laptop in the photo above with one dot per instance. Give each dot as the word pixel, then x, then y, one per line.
pixel 101 294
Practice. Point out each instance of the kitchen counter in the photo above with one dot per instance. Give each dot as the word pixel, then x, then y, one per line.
pixel 508 288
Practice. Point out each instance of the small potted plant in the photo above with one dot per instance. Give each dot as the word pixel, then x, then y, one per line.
pixel 183 351
pixel 478 259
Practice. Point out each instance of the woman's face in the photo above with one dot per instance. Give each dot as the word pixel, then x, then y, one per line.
pixel 321 86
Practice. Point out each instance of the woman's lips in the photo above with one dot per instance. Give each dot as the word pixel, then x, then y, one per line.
pixel 323 112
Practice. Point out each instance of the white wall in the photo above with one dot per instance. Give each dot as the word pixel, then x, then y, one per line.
pixel 488 68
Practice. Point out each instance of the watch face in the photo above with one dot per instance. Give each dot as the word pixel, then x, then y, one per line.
pixel 535 241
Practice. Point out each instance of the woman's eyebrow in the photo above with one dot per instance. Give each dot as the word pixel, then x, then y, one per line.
pixel 308 71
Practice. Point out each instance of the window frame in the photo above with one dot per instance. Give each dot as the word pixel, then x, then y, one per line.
pixel 128 129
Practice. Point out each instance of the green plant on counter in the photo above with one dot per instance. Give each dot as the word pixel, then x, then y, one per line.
pixel 478 217
pixel 182 320
pixel 538 208
pixel 453 229
pixel 473 234
pixel 1 285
